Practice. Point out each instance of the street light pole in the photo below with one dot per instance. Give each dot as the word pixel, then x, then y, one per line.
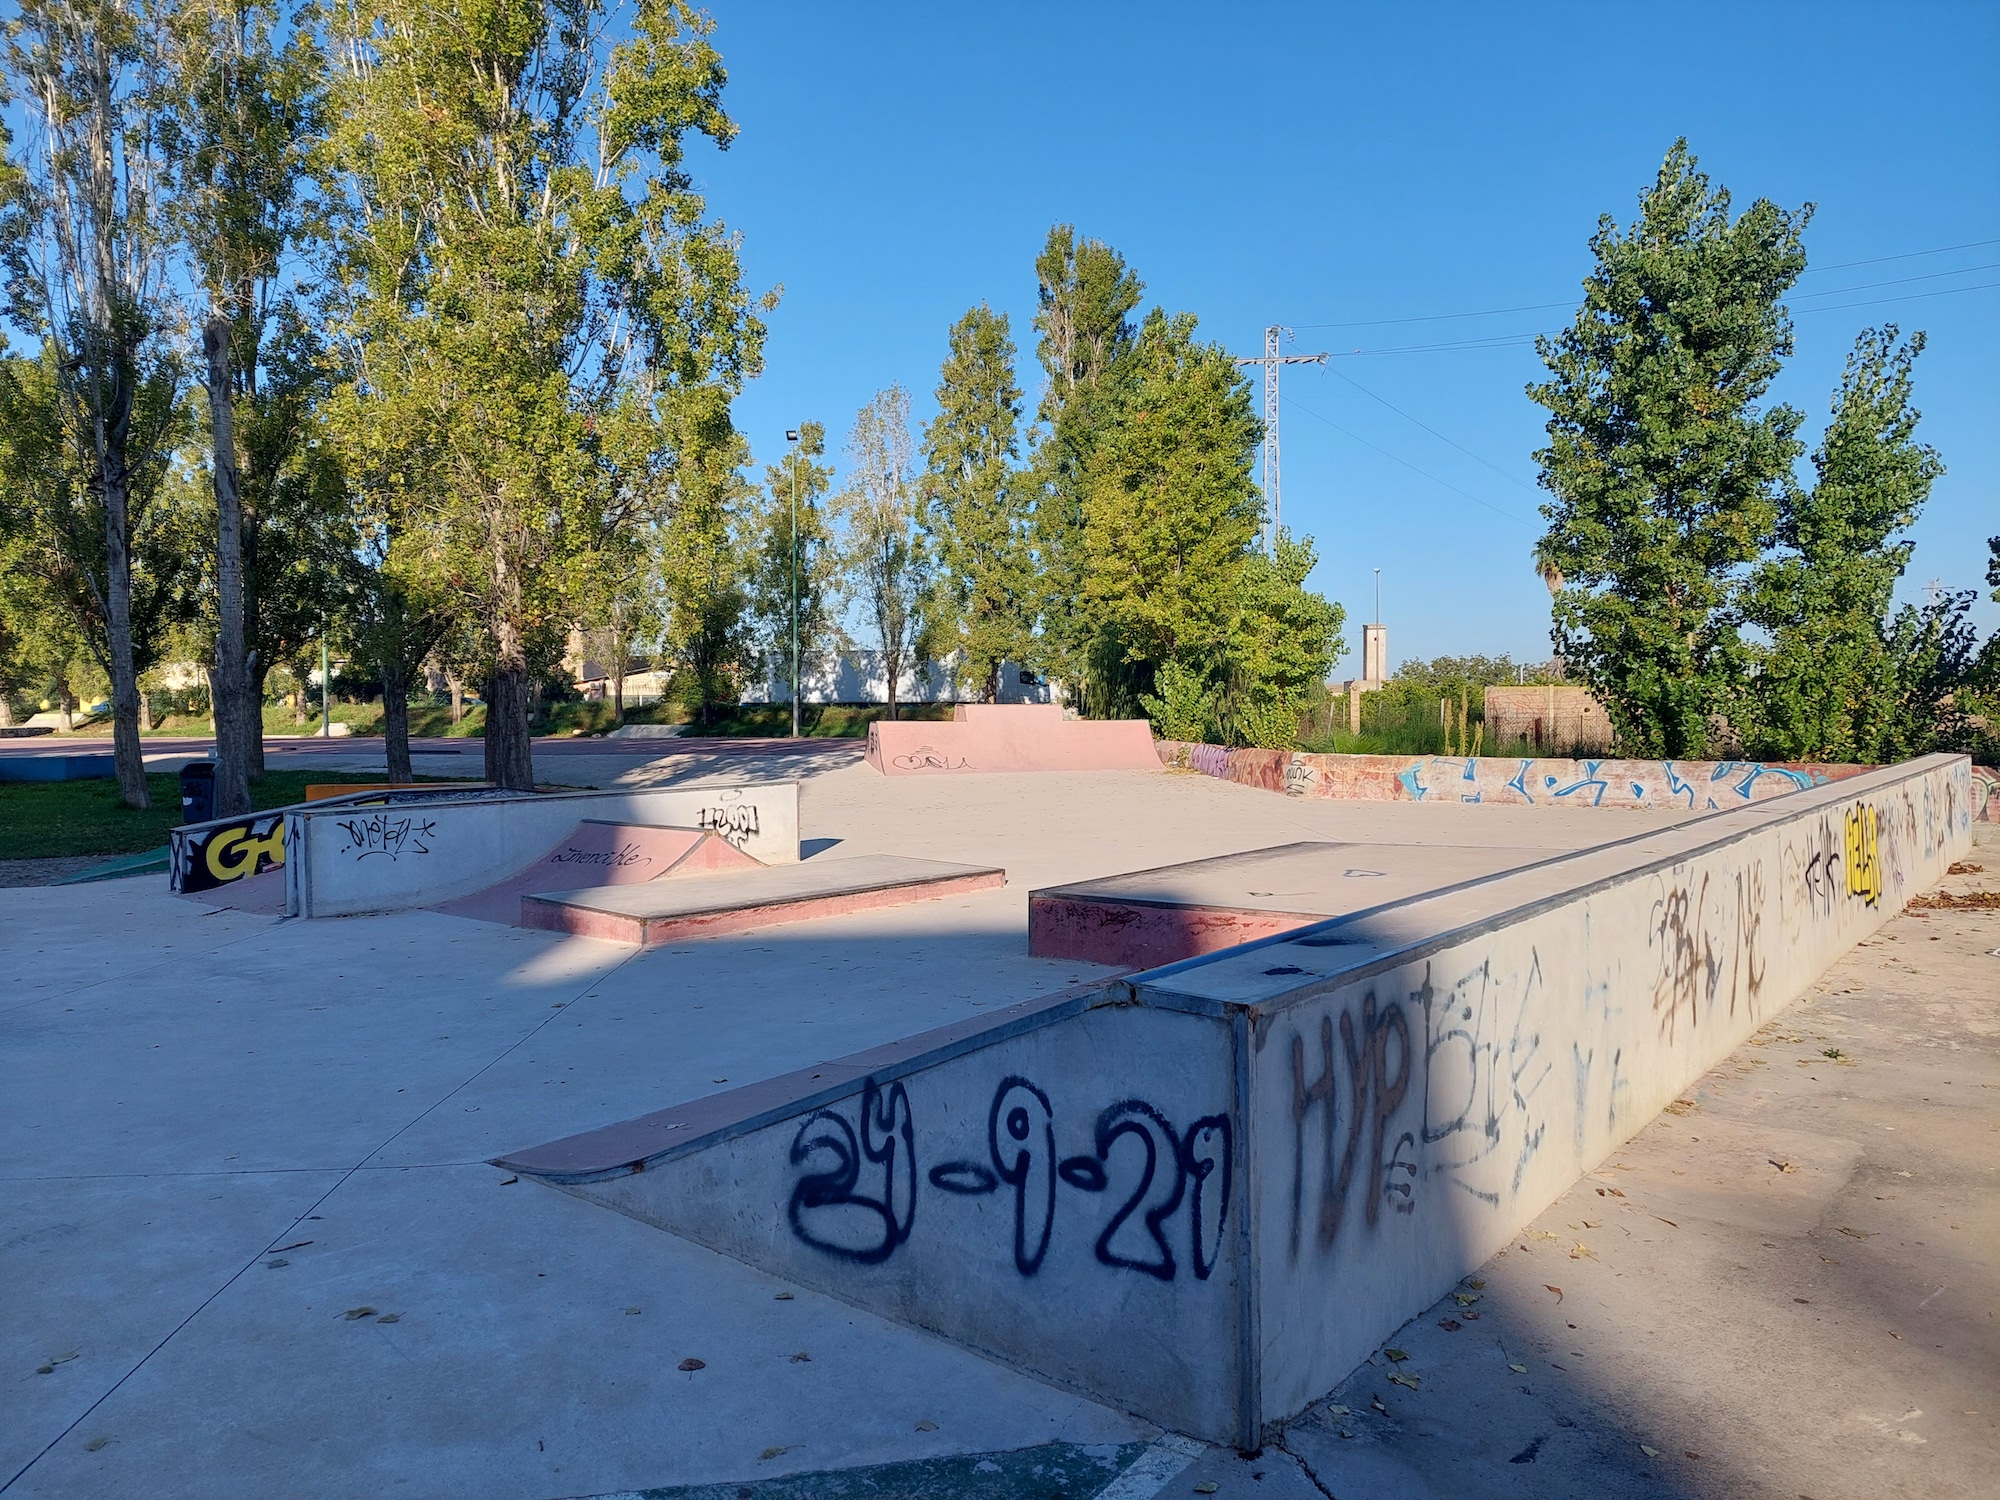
pixel 792 437
pixel 325 677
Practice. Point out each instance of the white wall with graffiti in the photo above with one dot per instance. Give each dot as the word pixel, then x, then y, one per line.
pixel 1206 1193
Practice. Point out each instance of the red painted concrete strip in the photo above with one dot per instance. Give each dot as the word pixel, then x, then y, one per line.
pixel 1140 935
pixel 553 915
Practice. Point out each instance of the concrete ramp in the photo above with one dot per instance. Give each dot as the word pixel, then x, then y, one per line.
pixel 1162 916
pixel 348 859
pixel 737 901
pixel 599 854
pixel 1206 1192
pixel 1010 737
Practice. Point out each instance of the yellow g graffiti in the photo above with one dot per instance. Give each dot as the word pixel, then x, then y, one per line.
pixel 1864 855
pixel 236 852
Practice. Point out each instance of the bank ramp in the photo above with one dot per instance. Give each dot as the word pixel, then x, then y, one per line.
pixel 1205 1192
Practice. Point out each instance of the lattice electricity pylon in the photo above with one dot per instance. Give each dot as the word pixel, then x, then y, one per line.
pixel 1271 359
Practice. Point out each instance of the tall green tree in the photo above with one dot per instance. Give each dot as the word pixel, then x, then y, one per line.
pixel 703 577
pixel 244 123
pixel 1666 475
pixel 1285 641
pixel 982 602
pixel 526 269
pixel 89 263
pixel 1086 294
pixel 1171 514
pixel 794 563
pixel 884 554
pixel 1827 687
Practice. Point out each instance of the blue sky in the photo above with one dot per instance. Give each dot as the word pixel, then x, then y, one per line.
pixel 1354 165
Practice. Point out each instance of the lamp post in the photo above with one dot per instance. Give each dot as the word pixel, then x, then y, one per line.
pixel 325 681
pixel 792 437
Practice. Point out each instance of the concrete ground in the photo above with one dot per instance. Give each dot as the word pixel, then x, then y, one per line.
pixel 270 1260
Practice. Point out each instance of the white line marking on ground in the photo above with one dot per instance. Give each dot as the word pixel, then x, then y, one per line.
pixel 1155 1468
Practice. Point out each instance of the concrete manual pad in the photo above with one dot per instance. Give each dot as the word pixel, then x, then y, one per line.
pixel 603 854
pixel 1163 915
pixel 737 901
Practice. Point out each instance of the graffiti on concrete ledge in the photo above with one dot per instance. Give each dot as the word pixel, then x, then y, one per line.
pixel 1157 1175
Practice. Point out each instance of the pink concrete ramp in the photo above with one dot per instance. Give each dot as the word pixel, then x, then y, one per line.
pixel 1010 737
pixel 596 854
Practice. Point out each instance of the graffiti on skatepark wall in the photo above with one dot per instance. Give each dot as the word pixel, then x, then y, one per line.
pixel 385 833
pixel 1171 1187
pixel 205 857
pixel 733 821
pixel 1864 854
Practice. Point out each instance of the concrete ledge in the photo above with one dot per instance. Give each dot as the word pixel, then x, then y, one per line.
pixel 40 765
pixel 346 860
pixel 709 906
pixel 1700 786
pixel 1010 737
pixel 1206 1192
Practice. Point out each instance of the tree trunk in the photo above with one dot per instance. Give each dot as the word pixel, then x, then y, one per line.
pixel 396 719
pixel 65 710
pixel 457 685
pixel 229 685
pixel 6 713
pixel 259 671
pixel 127 757
pixel 509 747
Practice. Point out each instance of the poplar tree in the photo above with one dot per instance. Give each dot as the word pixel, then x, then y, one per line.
pixel 1666 475
pixel 982 598
pixel 883 551
pixel 1826 689
pixel 526 268
pixel 244 123
pixel 89 263
pixel 1086 295
pixel 793 558
pixel 1171 513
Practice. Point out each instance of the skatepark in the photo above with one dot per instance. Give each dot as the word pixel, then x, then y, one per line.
pixel 1112 1113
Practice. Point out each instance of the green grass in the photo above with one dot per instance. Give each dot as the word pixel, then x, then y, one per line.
pixel 838 721
pixel 53 819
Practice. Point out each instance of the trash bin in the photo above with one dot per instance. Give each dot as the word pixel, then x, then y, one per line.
pixel 197 791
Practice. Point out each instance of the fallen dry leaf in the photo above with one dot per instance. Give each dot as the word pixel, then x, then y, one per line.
pixel 1859 1234
pixel 1593 1223
pixel 1681 1107
pixel 1556 1289
pixel 1518 1369
pixel 1476 1284
pixel 802 1358
pixel 1465 1299
pixel 1336 1411
pixel 784 1297
pixel 691 1363
pixel 1207 1487
pixel 1783 1166
pixel 1412 1381
pixel 1579 1250
pixel 926 1425
pixel 1396 1354
pixel 1966 867
pixel 356 1314
pixel 1649 1452
pixel 95 1444
pixel 1450 1325
pixel 772 1452
pixel 390 1318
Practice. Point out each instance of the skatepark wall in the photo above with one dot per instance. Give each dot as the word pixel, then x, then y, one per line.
pixel 1700 785
pixel 1207 1192
pixel 343 861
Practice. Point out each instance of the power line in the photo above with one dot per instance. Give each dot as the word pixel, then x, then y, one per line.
pixel 1512 478
pixel 1519 340
pixel 1545 306
pixel 1901 281
pixel 1948 291
pixel 1510 515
